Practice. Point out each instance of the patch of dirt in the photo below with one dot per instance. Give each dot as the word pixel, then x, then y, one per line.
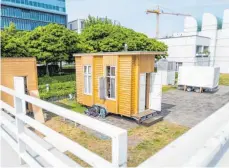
pixel 133 141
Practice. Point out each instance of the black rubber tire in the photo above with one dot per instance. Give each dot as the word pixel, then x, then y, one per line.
pixel 197 90
pixel 189 89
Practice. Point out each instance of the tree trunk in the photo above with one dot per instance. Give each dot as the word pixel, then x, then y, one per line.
pixel 47 69
pixel 60 66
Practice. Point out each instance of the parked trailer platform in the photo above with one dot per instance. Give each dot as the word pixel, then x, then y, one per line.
pixel 198 78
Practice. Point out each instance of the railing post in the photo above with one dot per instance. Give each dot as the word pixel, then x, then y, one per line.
pixel 19 104
pixel 119 150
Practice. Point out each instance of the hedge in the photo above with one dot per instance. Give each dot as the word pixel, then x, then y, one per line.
pixel 57 89
pixel 56 79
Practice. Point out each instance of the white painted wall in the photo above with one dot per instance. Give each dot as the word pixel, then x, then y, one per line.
pixel 190 26
pixel 183 48
pixel 222 45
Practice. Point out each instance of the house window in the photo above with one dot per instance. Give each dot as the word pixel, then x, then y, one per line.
pixel 87 79
pixel 110 82
pixel 178 65
pixel 199 49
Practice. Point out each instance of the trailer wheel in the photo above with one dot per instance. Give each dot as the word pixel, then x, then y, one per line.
pixel 197 90
pixel 189 89
pixel 103 112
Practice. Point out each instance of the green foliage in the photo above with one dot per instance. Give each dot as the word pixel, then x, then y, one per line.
pixel 52 43
pixel 100 36
pixel 96 20
pixel 13 43
pixel 56 79
pixel 55 43
pixel 57 89
pixel 72 105
pixel 59 86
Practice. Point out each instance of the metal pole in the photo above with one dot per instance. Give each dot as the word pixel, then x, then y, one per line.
pixel 157 26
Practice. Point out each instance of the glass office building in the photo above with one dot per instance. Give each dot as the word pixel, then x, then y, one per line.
pixel 27 15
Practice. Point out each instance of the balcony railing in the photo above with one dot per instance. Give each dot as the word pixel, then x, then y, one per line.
pixel 118 135
pixel 206 144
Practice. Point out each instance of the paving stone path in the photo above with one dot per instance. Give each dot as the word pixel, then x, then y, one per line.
pixel 190 108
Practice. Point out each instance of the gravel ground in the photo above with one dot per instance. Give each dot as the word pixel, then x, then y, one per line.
pixel 190 108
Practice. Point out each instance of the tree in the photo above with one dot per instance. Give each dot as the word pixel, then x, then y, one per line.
pixel 13 43
pixel 95 20
pixel 99 36
pixel 52 43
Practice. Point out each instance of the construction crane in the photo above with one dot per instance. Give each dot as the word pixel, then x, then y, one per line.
pixel 158 12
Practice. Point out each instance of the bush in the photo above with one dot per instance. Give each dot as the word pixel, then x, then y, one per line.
pixel 57 89
pixel 56 79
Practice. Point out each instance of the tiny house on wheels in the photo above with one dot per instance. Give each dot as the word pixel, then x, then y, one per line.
pixel 122 83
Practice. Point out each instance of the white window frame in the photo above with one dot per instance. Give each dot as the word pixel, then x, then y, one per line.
pixel 111 77
pixel 87 75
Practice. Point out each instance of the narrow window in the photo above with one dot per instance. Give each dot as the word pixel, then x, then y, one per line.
pixel 87 79
pixel 110 82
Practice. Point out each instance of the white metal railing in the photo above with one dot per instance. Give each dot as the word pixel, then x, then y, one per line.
pixel 118 135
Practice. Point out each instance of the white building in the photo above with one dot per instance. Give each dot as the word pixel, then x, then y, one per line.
pixel 201 43
pixel 76 25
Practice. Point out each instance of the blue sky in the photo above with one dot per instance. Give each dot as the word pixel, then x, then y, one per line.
pixel 131 13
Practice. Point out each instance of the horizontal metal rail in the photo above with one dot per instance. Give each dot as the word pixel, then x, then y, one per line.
pixel 118 135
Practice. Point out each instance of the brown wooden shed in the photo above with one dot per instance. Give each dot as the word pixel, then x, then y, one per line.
pixel 20 67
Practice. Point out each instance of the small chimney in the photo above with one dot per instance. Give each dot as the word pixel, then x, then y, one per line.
pixel 125 47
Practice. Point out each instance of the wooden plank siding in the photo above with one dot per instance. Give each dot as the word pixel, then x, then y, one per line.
pixel 79 83
pixel 11 67
pixel 81 96
pixel 134 85
pixel 124 92
pixel 98 72
pixel 146 63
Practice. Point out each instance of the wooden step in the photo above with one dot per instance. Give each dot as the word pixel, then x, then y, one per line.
pixel 152 120
pixel 144 113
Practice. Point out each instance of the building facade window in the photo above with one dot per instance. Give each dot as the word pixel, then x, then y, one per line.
pixel 22 17
pixel 178 65
pixel 87 80
pixel 60 8
pixel 199 49
pixel 110 82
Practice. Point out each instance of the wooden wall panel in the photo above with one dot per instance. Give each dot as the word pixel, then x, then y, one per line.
pixel 134 85
pixel 125 72
pixel 146 63
pixel 98 72
pixel 81 96
pixel 79 84
pixel 11 67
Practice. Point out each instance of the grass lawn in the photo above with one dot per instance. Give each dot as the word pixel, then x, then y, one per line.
pixel 71 104
pixel 224 79
pixel 166 88
pixel 143 142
